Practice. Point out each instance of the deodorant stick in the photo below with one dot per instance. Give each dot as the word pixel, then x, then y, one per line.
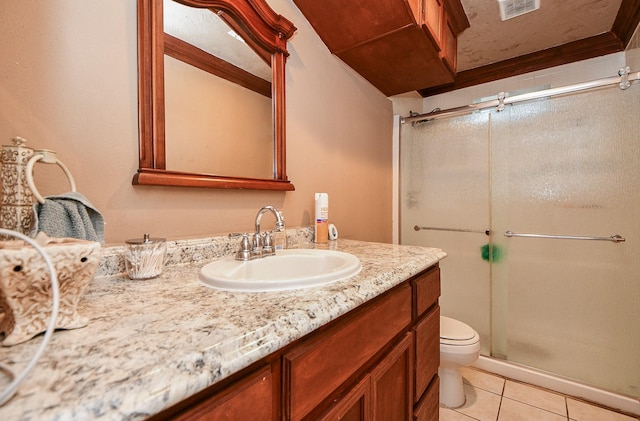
pixel 322 218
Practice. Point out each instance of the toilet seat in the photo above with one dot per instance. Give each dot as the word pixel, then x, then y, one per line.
pixel 459 347
pixel 456 333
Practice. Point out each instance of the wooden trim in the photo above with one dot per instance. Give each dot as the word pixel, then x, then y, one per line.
pixel 627 20
pixel 269 29
pixel 279 117
pixel 145 119
pixel 157 177
pixel 150 86
pixel 187 53
pixel 265 31
pixel 596 46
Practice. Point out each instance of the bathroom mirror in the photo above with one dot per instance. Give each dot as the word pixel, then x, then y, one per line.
pixel 210 118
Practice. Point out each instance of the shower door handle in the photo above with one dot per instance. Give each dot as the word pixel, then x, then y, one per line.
pixel 613 238
pixel 418 228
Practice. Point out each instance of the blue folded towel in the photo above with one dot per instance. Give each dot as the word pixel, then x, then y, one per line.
pixel 68 215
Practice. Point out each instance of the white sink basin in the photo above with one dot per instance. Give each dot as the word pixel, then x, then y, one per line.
pixel 288 269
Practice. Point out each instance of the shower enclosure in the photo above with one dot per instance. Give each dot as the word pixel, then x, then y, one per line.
pixel 525 201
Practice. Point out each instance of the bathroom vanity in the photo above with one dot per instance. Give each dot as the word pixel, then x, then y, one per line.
pixel 172 348
pixel 379 361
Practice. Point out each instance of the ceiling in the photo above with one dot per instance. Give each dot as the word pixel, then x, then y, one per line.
pixel 557 22
pixel 559 32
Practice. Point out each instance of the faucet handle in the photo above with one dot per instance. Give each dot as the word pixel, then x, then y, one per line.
pixel 267 248
pixel 256 252
pixel 244 252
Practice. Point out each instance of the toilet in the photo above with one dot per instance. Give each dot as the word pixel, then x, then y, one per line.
pixel 459 347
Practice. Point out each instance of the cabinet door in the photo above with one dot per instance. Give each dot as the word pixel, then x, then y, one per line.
pixel 355 406
pixel 249 399
pixel 449 45
pixel 391 383
pixel 433 14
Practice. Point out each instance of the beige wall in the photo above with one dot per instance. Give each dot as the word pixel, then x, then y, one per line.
pixel 68 82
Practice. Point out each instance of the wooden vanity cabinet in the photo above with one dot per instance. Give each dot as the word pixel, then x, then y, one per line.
pixel 391 344
pixel 377 362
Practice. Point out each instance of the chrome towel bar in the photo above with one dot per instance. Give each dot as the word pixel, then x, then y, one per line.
pixel 614 238
pixel 418 228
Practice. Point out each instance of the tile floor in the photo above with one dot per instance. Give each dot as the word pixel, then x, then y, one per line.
pixel 493 398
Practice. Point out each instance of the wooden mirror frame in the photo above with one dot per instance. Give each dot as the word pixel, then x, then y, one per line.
pixel 265 32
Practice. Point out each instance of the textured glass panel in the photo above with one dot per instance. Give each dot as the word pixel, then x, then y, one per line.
pixel 564 166
pixel 444 184
pixel 569 166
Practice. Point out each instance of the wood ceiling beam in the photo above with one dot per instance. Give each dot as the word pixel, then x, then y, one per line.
pixel 595 46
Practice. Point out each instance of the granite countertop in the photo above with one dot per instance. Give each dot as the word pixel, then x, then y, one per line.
pixel 150 344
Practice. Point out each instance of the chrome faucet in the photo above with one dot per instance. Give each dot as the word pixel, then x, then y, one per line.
pixel 261 244
pixel 276 212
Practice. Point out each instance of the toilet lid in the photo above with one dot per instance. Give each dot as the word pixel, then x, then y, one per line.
pixel 455 330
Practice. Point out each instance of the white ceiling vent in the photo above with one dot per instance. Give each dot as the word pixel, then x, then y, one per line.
pixel 512 8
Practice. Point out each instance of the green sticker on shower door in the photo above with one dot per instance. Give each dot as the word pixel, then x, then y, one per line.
pixel 491 253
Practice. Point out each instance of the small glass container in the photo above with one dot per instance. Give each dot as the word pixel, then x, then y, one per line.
pixel 144 257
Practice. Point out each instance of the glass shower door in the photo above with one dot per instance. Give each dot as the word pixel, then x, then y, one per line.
pixel 569 166
pixel 445 193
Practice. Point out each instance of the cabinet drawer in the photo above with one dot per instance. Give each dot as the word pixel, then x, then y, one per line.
pixel 427 332
pixel 317 368
pixel 249 399
pixel 427 408
pixel 427 290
